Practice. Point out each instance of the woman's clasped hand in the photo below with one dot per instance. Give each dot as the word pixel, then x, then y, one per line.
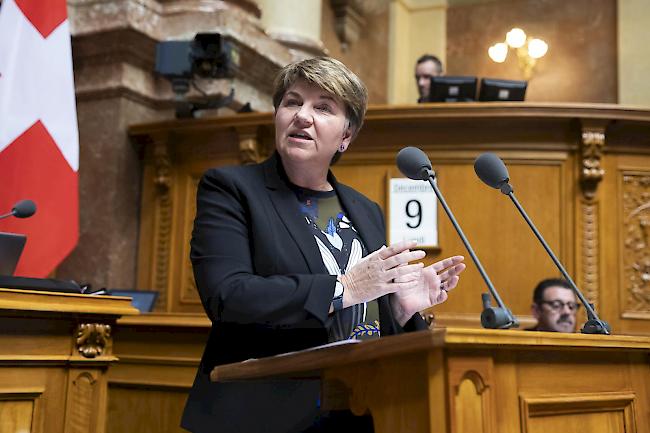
pixel 413 286
pixel 433 288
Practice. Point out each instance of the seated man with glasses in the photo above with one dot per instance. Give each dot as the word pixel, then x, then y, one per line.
pixel 554 306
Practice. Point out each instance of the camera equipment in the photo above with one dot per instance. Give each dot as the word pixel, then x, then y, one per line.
pixel 208 55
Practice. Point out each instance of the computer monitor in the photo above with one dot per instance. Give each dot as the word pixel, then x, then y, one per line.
pixel 11 247
pixel 143 300
pixel 452 89
pixel 502 90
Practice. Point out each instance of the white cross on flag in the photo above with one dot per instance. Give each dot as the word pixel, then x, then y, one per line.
pixel 39 142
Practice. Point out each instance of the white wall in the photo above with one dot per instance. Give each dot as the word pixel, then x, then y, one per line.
pixel 634 52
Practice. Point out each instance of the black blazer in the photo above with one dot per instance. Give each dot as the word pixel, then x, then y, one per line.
pixel 263 284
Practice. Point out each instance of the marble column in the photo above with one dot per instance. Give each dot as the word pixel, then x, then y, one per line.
pixel 295 23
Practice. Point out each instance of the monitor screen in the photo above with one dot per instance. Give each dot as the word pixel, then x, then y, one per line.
pixel 502 90
pixel 143 300
pixel 452 89
pixel 11 247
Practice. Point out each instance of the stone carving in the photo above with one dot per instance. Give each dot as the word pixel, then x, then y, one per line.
pixel 592 173
pixel 636 248
pixel 349 22
pixel 120 36
pixel 350 17
pixel 92 339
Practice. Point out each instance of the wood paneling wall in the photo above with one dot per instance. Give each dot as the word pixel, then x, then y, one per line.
pixel 580 171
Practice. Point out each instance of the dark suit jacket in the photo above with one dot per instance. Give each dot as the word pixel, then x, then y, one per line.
pixel 263 284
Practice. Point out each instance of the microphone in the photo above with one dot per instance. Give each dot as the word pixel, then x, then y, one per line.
pixel 415 164
pixel 22 209
pixel 492 171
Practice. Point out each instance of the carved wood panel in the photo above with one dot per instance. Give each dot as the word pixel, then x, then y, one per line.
pixel 84 410
pixel 162 222
pixel 471 394
pixel 93 339
pixel 20 410
pixel 188 292
pixel 591 175
pixel 590 249
pixel 602 412
pixel 16 416
pixel 636 243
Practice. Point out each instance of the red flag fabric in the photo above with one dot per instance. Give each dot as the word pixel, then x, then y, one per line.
pixel 39 141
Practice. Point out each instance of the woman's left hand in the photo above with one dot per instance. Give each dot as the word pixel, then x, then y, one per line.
pixel 434 283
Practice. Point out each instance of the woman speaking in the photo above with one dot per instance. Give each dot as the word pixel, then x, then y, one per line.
pixel 287 258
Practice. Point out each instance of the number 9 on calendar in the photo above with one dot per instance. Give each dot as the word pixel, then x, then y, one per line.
pixel 412 212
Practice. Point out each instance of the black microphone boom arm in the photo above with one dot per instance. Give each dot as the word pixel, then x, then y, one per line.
pixel 493 172
pixel 415 164
pixel 593 325
pixel 493 318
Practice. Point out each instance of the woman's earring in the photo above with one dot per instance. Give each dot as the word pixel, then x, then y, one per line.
pixel 341 148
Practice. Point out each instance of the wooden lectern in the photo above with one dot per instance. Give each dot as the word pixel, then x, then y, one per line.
pixel 478 381
pixel 55 350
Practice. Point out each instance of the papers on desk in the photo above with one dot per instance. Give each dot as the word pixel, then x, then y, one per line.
pixel 311 349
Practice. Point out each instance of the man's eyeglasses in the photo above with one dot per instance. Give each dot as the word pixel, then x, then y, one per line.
pixel 557 305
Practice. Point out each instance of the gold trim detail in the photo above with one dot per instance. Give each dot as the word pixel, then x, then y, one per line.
pixel 593 142
pixel 92 339
pixel 591 174
pixel 249 146
pixel 189 293
pixel 162 222
pixel 590 262
pixel 636 239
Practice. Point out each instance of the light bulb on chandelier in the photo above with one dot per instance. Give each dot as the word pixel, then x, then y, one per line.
pixel 529 50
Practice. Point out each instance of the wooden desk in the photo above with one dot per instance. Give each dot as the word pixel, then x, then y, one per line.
pixel 55 349
pixel 479 381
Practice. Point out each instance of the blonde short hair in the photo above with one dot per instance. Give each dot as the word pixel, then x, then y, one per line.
pixel 332 76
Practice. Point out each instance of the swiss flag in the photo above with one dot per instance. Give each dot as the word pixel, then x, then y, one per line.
pixel 39 140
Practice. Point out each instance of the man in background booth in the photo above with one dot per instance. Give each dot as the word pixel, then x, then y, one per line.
pixel 427 66
pixel 554 306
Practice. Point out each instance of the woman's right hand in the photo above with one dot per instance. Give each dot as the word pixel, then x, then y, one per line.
pixel 374 275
